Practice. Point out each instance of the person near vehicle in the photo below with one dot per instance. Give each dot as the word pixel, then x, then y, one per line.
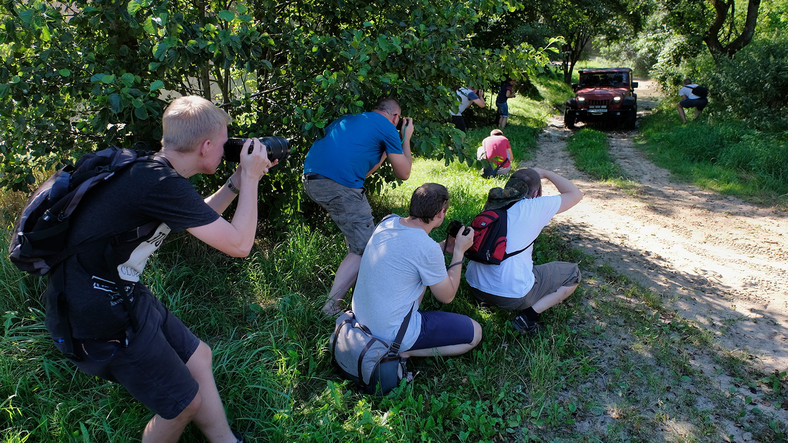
pixel 334 171
pixel 121 331
pixel 501 101
pixel 516 284
pixel 466 97
pixel 690 100
pixel 400 262
pixel 497 150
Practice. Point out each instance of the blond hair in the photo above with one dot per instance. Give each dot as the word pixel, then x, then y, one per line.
pixel 188 121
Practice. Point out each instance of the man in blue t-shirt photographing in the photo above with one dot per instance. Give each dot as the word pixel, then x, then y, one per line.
pixel 334 171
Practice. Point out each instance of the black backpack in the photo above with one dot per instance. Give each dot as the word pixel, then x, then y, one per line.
pixel 489 237
pixel 700 91
pixel 39 239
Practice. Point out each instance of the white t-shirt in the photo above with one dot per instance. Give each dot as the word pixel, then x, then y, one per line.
pixel 398 264
pixel 466 96
pixel 514 277
pixel 687 90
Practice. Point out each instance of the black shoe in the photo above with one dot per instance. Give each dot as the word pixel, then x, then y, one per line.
pixel 238 436
pixel 524 325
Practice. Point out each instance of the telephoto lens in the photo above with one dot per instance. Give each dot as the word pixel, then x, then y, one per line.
pixel 277 147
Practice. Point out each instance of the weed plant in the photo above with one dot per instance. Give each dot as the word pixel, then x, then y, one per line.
pixel 613 365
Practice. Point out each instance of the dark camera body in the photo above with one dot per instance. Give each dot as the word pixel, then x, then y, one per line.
pixel 454 228
pixel 277 147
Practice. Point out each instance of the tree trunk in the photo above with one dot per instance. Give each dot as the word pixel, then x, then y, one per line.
pixel 722 8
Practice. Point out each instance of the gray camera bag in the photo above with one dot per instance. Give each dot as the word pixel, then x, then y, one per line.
pixel 365 359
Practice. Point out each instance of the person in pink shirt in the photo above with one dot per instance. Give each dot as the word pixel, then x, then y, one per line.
pixel 497 149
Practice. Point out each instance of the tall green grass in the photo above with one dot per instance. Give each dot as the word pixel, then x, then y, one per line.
pixel 604 370
pixel 726 156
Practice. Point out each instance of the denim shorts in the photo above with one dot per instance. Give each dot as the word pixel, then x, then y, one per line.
pixel 348 207
pixel 439 328
pixel 152 366
pixel 503 109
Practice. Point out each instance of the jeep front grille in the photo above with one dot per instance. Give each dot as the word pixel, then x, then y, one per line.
pixel 598 102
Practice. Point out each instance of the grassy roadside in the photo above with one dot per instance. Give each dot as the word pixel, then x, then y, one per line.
pixel 722 155
pixel 613 365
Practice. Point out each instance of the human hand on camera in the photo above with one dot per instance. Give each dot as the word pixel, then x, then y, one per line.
pixel 464 240
pixel 254 162
pixel 407 128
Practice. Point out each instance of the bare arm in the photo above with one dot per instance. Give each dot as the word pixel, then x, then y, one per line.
pixel 236 238
pixel 222 198
pixel 402 163
pixel 445 291
pixel 480 101
pixel 375 168
pixel 570 194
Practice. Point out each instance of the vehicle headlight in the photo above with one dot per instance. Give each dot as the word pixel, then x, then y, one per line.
pixel 581 99
pixel 617 99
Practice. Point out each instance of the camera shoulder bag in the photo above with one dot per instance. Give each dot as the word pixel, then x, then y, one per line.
pixel 365 359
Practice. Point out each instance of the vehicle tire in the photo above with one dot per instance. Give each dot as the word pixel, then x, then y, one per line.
pixel 630 119
pixel 569 119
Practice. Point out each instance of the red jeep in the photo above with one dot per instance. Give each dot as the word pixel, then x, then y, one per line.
pixel 603 95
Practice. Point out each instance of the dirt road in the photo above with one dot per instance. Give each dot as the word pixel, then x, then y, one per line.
pixel 717 260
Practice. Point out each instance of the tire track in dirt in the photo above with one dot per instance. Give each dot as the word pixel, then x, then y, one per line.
pixel 719 261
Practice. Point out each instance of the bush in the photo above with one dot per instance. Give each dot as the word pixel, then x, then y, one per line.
pixel 81 75
pixel 751 86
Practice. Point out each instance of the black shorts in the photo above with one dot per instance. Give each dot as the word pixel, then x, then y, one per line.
pixel 152 367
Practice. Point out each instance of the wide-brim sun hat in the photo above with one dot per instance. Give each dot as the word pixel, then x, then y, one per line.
pixel 515 190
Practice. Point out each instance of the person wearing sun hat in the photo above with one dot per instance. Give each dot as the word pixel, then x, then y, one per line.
pixel 516 284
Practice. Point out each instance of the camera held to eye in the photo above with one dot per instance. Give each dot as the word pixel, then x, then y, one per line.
pixel 454 228
pixel 401 123
pixel 277 148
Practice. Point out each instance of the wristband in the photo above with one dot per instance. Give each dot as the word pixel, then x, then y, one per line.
pixel 454 264
pixel 231 186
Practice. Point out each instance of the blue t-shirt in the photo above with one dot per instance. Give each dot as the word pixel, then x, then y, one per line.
pixel 352 147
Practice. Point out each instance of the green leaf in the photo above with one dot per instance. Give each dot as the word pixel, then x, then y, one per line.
pixel 115 103
pixel 27 16
pixel 148 26
pixel 65 72
pixel 108 79
pixel 226 15
pixel 141 113
pixel 155 86
pixel 127 79
pixel 133 7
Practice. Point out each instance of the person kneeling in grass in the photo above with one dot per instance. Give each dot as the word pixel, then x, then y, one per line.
pixel 399 263
pixel 515 283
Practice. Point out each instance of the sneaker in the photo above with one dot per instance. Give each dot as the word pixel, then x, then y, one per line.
pixel 524 325
pixel 238 437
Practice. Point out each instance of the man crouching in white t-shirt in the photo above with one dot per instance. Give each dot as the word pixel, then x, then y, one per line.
pixel 399 263
pixel 516 284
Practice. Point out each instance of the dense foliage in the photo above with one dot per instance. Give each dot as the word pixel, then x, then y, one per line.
pixel 82 74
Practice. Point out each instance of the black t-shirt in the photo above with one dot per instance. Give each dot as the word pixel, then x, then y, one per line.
pixel 505 87
pixel 148 193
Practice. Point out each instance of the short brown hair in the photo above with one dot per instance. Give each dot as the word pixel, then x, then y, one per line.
pixel 188 121
pixel 428 200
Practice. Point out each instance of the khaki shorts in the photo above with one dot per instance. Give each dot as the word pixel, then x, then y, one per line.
pixel 348 207
pixel 547 279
